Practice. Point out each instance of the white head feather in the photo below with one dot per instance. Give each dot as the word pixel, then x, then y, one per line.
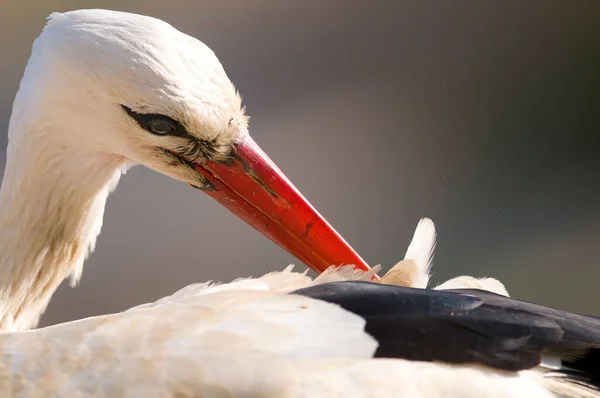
pixel 70 139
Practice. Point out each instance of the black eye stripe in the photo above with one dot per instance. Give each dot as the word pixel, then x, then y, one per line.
pixel 148 121
pixel 152 121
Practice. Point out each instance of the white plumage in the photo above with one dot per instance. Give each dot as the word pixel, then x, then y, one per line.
pixel 245 338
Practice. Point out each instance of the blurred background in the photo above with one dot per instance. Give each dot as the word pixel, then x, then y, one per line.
pixel 481 115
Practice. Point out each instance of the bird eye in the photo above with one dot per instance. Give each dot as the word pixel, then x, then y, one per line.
pixel 155 123
pixel 161 126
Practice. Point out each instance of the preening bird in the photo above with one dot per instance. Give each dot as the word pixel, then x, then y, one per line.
pixel 105 90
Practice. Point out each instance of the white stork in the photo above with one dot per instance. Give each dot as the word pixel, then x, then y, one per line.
pixel 105 90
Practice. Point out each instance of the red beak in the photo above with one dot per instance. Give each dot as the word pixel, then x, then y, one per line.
pixel 253 188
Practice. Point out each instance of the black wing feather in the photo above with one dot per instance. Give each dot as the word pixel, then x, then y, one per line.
pixel 463 326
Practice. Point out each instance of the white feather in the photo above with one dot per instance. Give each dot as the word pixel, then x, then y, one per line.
pixel 469 282
pixel 414 270
pixel 422 248
pixel 233 341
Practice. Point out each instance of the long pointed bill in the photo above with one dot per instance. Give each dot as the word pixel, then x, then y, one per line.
pixel 252 187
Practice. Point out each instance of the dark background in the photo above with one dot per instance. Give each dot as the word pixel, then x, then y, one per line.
pixel 482 115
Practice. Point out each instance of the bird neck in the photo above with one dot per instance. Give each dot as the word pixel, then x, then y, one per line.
pixel 52 202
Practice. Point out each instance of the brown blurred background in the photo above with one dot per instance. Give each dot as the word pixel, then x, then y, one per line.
pixel 482 115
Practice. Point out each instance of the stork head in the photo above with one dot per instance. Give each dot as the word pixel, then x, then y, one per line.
pixel 135 87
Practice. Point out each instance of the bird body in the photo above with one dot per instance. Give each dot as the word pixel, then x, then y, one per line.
pixel 247 338
pixel 270 336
